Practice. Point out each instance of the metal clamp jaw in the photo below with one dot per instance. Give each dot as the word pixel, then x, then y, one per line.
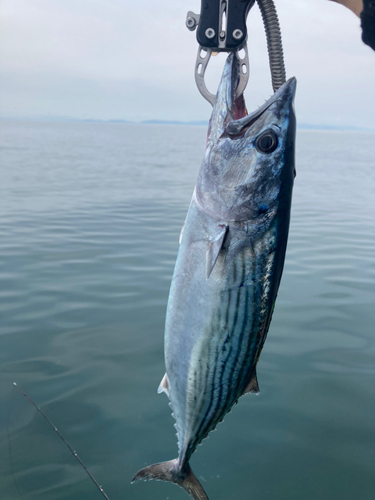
pixel 221 27
pixel 203 57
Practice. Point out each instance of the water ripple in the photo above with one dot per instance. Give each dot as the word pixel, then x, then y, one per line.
pixel 90 216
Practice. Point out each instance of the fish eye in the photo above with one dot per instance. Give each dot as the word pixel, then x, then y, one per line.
pixel 267 142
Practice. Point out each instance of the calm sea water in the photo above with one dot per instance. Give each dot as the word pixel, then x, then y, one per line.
pixel 90 216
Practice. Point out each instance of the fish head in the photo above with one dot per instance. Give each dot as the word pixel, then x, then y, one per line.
pixel 248 168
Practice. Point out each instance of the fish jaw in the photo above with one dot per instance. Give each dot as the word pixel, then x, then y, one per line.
pixel 226 107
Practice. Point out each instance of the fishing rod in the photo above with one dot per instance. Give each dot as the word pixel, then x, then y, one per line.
pixel 221 27
pixel 74 453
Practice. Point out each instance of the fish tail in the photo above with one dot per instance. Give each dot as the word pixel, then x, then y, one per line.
pixel 170 471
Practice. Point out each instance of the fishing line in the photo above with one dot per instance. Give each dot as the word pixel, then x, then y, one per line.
pixel 11 461
pixel 74 453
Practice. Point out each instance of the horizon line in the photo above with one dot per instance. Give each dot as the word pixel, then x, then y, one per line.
pixel 302 126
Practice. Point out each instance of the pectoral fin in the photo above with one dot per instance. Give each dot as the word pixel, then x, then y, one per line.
pixel 252 386
pixel 164 385
pixel 214 247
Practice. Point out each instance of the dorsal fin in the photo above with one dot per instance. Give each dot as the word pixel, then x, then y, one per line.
pixel 252 386
pixel 164 385
pixel 214 247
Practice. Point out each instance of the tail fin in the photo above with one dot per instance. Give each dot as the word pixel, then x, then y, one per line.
pixel 169 471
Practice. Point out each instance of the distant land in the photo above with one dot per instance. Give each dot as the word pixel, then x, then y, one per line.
pixel 300 126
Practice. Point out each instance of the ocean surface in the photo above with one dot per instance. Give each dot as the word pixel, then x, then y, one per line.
pixel 90 215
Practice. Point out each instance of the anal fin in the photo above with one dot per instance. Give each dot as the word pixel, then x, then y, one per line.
pixel 214 247
pixel 164 385
pixel 181 233
pixel 252 387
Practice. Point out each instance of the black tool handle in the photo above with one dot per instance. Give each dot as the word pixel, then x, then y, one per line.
pixel 236 33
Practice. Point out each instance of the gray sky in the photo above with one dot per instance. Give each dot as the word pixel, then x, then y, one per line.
pixel 116 59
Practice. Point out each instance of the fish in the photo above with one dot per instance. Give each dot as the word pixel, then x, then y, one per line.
pixel 228 268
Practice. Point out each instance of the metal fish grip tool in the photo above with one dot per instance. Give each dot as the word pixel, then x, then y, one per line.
pixel 221 27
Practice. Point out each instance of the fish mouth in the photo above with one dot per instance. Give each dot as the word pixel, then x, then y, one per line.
pixel 227 107
pixel 229 114
pixel 282 99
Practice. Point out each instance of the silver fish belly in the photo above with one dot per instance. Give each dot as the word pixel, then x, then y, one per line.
pixel 228 268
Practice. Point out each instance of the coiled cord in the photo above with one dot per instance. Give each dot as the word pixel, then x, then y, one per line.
pixel 274 42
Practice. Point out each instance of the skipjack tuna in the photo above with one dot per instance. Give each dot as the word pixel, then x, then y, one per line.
pixel 228 268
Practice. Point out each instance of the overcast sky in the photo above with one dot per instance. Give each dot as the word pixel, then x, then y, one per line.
pixel 134 60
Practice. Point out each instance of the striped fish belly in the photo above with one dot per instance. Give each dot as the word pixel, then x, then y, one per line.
pixel 216 327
